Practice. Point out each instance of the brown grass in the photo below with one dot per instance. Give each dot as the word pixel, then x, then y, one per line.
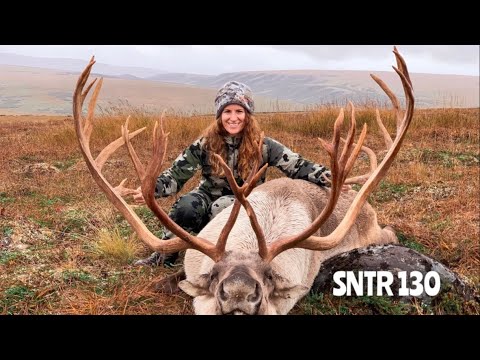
pixel 50 219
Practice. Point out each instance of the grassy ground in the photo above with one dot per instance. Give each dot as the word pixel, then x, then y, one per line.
pixel 65 250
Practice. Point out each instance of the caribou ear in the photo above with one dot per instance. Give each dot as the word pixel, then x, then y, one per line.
pixel 297 292
pixel 200 287
pixel 283 288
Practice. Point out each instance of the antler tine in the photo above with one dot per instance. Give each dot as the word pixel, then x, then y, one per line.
pixel 253 182
pixel 160 142
pixel 391 95
pixel 88 126
pixel 339 173
pixel 386 136
pixel 91 108
pixel 82 80
pixel 112 147
pixel 85 93
pixel 356 151
pixel 131 151
pixel 255 175
pixel 353 154
pixel 371 155
pixel 402 66
pixel 94 166
pixel 240 199
pixel 78 99
pixel 408 88
pixel 351 134
pixel 87 123
pixel 122 190
pixel 336 162
pixel 373 165
pixel 222 239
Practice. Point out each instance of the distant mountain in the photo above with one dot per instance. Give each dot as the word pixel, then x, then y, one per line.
pixel 336 87
pixel 74 65
pixel 184 78
pixel 31 85
pixel 27 90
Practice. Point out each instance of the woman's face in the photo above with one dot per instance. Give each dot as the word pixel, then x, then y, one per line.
pixel 233 119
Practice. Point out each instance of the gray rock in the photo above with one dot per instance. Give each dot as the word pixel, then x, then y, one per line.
pixel 392 258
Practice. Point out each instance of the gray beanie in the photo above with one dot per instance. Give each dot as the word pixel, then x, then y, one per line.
pixel 234 92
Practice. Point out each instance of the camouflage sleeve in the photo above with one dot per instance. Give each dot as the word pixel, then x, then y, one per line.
pixel 183 168
pixel 295 166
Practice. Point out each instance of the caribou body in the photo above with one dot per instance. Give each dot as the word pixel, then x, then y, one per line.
pixel 241 282
pixel 260 255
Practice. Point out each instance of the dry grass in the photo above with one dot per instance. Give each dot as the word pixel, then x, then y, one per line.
pixel 112 246
pixel 55 222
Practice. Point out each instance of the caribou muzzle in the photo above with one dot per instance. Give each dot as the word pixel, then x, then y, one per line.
pixel 239 293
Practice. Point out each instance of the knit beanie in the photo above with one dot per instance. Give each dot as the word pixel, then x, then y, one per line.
pixel 234 92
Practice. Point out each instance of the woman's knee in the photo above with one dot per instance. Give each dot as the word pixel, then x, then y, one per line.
pixel 190 211
pixel 220 204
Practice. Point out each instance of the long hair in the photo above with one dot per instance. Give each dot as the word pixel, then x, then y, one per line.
pixel 215 143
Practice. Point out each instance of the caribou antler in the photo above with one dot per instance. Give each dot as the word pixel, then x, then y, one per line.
pixel 361 179
pixel 340 167
pixel 341 164
pixel 147 176
pixel 403 122
pixel 241 194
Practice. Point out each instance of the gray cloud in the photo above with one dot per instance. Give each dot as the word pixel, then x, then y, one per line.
pixel 215 59
pixel 468 54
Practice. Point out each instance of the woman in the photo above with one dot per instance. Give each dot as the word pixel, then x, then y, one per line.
pixel 234 136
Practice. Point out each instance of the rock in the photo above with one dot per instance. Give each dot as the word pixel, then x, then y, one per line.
pixel 39 168
pixel 392 258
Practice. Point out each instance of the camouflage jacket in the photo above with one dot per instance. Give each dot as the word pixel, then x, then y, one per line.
pixel 195 157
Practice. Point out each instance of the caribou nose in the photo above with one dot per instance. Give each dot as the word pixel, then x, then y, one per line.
pixel 241 292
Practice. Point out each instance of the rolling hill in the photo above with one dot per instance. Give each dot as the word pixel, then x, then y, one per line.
pixel 30 85
pixel 26 90
pixel 336 87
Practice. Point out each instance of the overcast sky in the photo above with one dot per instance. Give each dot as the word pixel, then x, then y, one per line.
pixel 216 59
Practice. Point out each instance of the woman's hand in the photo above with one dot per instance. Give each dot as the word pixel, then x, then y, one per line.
pixel 138 196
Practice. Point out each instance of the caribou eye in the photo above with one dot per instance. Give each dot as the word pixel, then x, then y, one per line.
pixel 213 275
pixel 269 276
